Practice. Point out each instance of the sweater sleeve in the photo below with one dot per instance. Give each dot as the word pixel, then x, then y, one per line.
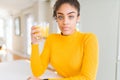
pixel 39 61
pixel 90 61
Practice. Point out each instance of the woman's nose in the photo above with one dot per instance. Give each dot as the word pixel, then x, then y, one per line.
pixel 65 21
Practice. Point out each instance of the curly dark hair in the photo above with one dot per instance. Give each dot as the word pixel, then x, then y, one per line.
pixel 58 3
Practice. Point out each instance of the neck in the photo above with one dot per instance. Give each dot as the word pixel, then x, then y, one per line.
pixel 68 34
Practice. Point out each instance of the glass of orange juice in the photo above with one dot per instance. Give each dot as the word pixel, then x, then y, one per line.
pixel 44 29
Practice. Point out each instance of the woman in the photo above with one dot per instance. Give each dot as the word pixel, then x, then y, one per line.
pixel 74 55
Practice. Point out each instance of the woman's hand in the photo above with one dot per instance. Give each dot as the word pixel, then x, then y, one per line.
pixel 35 35
pixel 33 78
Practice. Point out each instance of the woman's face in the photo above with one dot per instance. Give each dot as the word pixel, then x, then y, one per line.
pixel 67 17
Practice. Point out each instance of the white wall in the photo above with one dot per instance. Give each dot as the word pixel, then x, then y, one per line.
pixel 101 18
pixel 119 35
pixel 118 71
pixel 118 61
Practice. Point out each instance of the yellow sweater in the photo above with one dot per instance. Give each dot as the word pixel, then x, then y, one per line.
pixel 75 57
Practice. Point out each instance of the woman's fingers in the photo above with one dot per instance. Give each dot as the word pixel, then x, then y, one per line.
pixel 35 30
pixel 33 78
pixel 35 35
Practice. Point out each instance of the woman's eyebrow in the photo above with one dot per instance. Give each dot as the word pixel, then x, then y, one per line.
pixel 71 12
pixel 67 13
pixel 60 13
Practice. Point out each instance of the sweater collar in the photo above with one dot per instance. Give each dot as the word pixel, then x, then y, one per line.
pixel 69 36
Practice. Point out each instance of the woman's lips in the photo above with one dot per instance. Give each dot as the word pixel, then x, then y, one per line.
pixel 65 28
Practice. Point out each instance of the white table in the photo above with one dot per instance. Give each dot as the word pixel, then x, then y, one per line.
pixel 20 70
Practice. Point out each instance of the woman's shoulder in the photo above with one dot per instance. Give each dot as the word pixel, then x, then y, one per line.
pixel 88 35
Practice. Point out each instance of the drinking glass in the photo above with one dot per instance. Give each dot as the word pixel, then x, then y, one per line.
pixel 44 29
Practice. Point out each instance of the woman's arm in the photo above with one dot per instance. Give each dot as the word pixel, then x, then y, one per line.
pixel 39 61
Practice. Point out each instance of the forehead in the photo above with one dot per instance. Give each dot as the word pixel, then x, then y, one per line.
pixel 66 8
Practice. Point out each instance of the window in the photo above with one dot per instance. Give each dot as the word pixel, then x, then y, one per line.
pixel 29 24
pixel 9 32
pixel 17 26
pixel 1 27
pixel 2 42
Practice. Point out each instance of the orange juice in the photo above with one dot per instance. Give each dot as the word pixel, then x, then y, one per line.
pixel 47 30
pixel 44 29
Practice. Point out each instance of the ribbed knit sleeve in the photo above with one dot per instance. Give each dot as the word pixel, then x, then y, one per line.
pixel 39 61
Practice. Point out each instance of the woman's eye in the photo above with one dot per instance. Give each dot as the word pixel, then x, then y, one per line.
pixel 60 17
pixel 71 17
